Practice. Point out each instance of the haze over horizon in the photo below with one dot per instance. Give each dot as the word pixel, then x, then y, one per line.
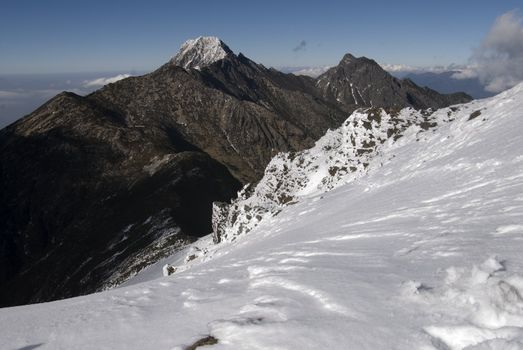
pixel 59 45
pixel 62 36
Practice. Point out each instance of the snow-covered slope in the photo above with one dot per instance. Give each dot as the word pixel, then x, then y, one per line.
pixel 201 52
pixel 421 250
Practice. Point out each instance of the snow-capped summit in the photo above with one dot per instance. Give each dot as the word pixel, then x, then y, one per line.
pixel 201 52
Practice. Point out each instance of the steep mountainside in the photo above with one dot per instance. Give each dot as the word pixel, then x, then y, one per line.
pixel 95 188
pixel 421 250
pixel 81 193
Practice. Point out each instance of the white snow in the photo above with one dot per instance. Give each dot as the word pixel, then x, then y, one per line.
pixel 200 52
pixel 509 229
pixel 422 250
pixel 353 95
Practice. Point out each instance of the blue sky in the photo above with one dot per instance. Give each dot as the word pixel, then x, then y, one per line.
pixel 88 36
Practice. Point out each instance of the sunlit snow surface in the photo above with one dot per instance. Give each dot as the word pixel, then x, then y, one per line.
pixel 200 52
pixel 423 252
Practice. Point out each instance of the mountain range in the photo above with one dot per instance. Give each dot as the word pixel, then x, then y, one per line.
pixel 417 247
pixel 95 188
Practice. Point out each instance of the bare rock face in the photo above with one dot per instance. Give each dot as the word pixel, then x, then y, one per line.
pixel 95 188
pixel 220 211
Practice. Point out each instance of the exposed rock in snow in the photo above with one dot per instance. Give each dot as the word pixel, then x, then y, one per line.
pixel 201 52
pixel 168 270
pixel 341 156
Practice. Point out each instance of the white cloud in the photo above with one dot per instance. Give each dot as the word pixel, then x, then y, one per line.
pixel 498 62
pixel 10 94
pixel 104 81
pixel 403 68
pixel 311 71
pixel 470 72
pixel 399 68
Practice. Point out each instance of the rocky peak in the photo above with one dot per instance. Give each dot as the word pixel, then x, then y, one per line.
pixel 347 58
pixel 201 52
pixel 362 82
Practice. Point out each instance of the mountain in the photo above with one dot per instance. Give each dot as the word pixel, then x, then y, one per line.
pixel 418 249
pixel 95 188
pixel 361 81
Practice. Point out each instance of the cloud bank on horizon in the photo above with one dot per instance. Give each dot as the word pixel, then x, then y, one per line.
pixel 498 62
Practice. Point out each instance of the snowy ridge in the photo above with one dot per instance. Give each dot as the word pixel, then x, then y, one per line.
pixel 339 157
pixel 201 52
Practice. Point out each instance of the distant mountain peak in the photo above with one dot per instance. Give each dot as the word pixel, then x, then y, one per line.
pixel 201 52
pixel 351 59
pixel 361 81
